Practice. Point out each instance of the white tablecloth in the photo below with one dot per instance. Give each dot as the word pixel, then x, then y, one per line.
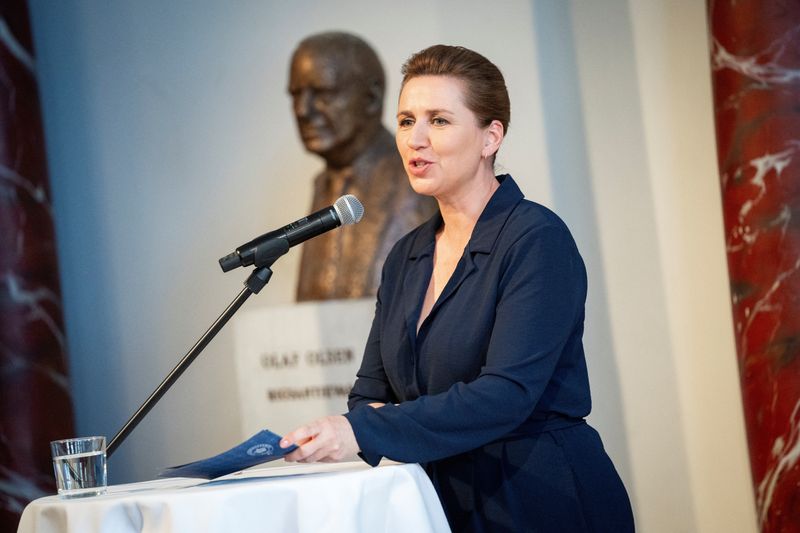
pixel 344 497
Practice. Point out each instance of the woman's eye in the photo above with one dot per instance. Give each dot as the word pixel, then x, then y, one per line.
pixel 439 121
pixel 405 122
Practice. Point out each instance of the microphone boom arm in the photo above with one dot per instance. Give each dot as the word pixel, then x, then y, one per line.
pixel 253 285
pixel 261 252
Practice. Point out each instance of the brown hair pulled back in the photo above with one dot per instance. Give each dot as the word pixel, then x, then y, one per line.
pixel 485 91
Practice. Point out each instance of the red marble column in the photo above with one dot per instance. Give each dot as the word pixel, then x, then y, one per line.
pixel 755 59
pixel 35 405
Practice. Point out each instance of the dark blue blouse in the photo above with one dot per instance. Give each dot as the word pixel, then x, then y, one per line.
pixel 498 358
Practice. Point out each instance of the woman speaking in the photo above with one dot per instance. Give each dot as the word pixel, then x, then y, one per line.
pixel 474 366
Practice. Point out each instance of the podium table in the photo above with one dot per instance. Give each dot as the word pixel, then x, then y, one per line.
pixel 341 497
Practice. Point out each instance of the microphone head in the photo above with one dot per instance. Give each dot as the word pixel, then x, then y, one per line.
pixel 349 209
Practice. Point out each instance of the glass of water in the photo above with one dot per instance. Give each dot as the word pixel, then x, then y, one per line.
pixel 80 466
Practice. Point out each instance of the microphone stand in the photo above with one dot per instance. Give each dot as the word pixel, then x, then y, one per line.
pixel 255 282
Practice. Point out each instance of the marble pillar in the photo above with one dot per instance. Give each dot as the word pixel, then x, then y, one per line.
pixel 755 60
pixel 35 405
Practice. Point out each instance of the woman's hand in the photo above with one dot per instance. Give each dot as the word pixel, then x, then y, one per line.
pixel 328 439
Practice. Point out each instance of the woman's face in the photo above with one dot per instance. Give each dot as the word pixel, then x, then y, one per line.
pixel 439 138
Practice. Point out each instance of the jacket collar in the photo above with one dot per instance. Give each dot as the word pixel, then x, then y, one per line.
pixel 487 228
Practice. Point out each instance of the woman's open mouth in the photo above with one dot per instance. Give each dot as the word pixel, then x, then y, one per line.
pixel 418 166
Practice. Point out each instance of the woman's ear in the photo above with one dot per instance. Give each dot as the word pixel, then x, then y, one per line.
pixel 492 138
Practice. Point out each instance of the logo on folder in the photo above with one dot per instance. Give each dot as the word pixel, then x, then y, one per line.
pixel 260 449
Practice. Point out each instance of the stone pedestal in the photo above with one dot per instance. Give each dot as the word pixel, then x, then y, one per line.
pixel 298 362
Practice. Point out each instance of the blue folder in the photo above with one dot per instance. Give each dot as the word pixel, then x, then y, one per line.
pixel 260 448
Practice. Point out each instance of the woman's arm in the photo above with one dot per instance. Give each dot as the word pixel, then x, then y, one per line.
pixel 538 317
pixel 539 312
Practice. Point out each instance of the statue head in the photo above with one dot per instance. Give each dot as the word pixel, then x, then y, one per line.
pixel 336 82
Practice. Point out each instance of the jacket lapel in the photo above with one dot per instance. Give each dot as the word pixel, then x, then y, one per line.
pixel 418 275
pixel 484 235
pixel 417 278
pixel 464 269
pixel 420 267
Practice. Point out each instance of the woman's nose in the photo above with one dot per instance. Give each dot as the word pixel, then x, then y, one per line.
pixel 418 136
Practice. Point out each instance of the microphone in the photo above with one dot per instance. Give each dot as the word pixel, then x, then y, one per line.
pixel 264 250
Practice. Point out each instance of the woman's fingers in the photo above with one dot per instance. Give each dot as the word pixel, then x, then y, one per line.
pixel 327 439
pixel 323 443
pixel 300 437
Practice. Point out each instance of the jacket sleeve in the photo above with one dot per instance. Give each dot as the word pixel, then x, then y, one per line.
pixel 541 293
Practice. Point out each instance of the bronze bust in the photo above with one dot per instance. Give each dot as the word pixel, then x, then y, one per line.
pixel 336 82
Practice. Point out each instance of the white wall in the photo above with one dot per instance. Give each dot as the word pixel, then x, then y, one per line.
pixel 676 103
pixel 170 141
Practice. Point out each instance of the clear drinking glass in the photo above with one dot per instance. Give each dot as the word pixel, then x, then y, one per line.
pixel 80 466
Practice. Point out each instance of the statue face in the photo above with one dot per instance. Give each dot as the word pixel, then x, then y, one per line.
pixel 330 109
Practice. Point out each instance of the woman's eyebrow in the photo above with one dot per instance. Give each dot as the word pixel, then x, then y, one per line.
pixel 435 111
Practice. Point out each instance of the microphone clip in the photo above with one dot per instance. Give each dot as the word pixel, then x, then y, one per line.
pixel 264 254
pixel 269 252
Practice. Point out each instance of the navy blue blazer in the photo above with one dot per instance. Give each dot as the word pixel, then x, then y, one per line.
pixel 498 360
